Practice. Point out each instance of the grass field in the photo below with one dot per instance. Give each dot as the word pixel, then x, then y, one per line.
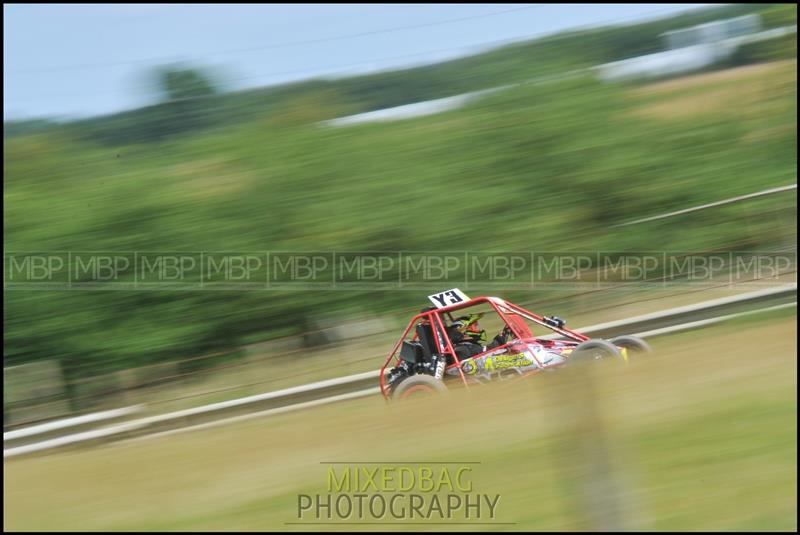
pixel 704 438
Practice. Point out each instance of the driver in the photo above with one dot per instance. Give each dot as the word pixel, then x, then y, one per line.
pixel 469 338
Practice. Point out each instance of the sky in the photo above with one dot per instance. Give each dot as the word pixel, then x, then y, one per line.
pixel 78 60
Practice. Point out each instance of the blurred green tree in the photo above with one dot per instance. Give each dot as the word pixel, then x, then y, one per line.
pixel 179 83
pixel 186 105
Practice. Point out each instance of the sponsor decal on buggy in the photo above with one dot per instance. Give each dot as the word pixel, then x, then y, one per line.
pixel 520 360
pixel 496 363
pixel 448 298
pixel 469 367
pixel 439 367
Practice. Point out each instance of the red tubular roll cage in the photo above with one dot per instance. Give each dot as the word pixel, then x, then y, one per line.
pixel 443 345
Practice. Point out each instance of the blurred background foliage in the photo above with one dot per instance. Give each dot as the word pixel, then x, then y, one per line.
pixel 535 167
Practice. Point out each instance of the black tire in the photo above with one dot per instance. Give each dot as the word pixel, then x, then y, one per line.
pixel 417 386
pixel 595 349
pixel 633 344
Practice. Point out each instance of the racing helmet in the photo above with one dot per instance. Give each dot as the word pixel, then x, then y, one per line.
pixel 470 327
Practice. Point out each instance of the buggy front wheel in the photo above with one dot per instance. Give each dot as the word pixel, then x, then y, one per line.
pixel 418 386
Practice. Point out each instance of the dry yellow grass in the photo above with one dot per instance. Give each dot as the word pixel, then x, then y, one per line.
pixel 731 90
pixel 738 74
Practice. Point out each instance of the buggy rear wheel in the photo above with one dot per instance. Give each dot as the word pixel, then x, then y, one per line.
pixel 633 344
pixel 595 349
pixel 418 386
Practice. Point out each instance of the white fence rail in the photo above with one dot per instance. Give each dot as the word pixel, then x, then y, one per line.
pixel 711 205
pixel 70 422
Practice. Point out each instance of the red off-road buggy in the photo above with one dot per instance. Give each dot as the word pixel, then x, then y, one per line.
pixel 436 354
